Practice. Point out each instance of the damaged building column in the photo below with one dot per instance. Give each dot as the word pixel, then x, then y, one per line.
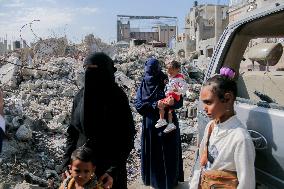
pixel 218 22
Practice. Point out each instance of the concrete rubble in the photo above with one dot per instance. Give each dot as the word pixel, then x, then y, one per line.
pixel 38 103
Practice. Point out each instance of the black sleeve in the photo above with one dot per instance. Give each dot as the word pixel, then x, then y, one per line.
pixel 71 143
pixel 72 136
pixel 127 122
pixel 131 132
pixel 144 108
pixel 1 138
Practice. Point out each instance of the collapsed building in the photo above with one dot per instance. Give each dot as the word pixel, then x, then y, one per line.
pixel 51 46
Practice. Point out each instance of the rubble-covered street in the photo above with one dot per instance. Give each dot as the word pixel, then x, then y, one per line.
pixel 39 85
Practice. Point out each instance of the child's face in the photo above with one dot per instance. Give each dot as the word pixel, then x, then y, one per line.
pixel 172 71
pixel 82 171
pixel 212 105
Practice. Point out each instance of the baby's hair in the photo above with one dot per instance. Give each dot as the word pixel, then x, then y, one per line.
pixel 221 84
pixel 84 154
pixel 174 64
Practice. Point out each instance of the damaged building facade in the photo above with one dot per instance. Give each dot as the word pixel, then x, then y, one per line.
pixel 162 32
pixel 6 46
pixel 204 25
pixel 3 46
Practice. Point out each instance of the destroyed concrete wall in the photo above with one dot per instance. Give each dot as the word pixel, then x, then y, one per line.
pixel 204 24
pixel 48 47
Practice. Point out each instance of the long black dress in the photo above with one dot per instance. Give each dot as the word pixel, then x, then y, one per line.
pixel 102 120
pixel 161 155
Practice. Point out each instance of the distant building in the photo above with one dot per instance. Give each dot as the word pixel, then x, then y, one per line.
pixel 3 46
pixel 6 47
pixel 148 36
pixel 204 24
pixel 123 31
pixel 181 37
pixel 166 33
pixel 160 32
pixel 16 45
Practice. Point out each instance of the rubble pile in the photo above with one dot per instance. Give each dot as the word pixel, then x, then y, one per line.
pixel 37 111
pixel 49 47
pixel 94 44
pixel 38 102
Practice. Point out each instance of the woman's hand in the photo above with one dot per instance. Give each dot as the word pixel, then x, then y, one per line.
pixel 65 175
pixel 107 180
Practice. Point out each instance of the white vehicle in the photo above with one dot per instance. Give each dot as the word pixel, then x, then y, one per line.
pixel 260 101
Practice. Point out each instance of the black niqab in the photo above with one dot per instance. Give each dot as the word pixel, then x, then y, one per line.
pixel 99 85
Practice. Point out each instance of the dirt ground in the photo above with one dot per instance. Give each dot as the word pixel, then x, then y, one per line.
pixel 188 162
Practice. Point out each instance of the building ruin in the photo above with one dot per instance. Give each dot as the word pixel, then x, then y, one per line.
pixel 162 28
pixel 204 25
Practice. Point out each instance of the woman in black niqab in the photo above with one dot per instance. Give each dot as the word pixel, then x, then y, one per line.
pixel 102 115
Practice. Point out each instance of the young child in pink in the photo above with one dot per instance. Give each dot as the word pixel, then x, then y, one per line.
pixel 175 89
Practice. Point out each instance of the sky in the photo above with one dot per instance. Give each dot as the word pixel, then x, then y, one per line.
pixel 31 19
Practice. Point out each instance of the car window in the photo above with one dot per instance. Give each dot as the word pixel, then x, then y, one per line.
pixel 261 73
pixel 256 53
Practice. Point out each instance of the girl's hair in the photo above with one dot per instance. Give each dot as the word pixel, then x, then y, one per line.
pixel 221 84
pixel 84 154
pixel 174 64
